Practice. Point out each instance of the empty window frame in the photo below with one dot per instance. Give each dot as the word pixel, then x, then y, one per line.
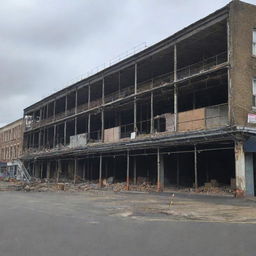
pixel 254 42
pixel 254 91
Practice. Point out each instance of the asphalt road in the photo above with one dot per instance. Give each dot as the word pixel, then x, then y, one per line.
pixel 79 224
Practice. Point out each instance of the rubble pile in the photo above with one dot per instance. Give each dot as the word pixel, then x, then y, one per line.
pixel 143 185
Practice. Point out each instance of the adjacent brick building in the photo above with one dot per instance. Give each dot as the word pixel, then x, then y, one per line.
pixel 11 137
pixel 181 112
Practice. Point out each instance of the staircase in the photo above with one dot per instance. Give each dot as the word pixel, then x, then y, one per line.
pixel 22 173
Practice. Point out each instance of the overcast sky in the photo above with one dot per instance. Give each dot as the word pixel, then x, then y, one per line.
pixel 46 45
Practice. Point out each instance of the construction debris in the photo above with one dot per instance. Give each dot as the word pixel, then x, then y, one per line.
pixel 45 185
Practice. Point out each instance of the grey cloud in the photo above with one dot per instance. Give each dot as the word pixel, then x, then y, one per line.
pixel 47 44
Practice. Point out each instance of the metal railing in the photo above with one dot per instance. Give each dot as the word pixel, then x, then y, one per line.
pixel 160 80
pixel 119 94
pixel 202 66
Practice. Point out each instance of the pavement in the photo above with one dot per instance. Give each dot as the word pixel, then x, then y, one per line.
pixel 108 223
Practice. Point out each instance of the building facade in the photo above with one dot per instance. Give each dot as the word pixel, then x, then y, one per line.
pixel 11 137
pixel 181 112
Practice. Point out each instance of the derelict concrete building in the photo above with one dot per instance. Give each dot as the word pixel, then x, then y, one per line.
pixel 180 112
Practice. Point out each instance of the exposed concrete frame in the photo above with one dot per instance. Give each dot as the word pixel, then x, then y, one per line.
pixel 91 110
pixel 187 32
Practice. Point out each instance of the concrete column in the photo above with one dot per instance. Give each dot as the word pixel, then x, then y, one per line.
pixel 41 170
pixel 100 172
pixel 119 83
pixel 135 115
pixel 128 171
pixel 58 170
pixel 229 52
pixel 102 125
pixel 175 90
pixel 89 95
pixel 75 125
pixel 152 112
pixel 33 140
pixel 66 105
pixel 39 139
pixel 65 133
pixel 195 166
pixel 244 170
pixel 75 170
pixel 54 109
pixel 135 79
pixel 54 135
pixel 240 166
pixel 47 111
pixel 160 171
pixel 48 170
pixel 89 126
pixel 135 100
pixel 134 171
pixel 43 144
pixel 103 90
pixel 76 102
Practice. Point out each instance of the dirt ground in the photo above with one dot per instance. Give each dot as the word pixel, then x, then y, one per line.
pixel 175 205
